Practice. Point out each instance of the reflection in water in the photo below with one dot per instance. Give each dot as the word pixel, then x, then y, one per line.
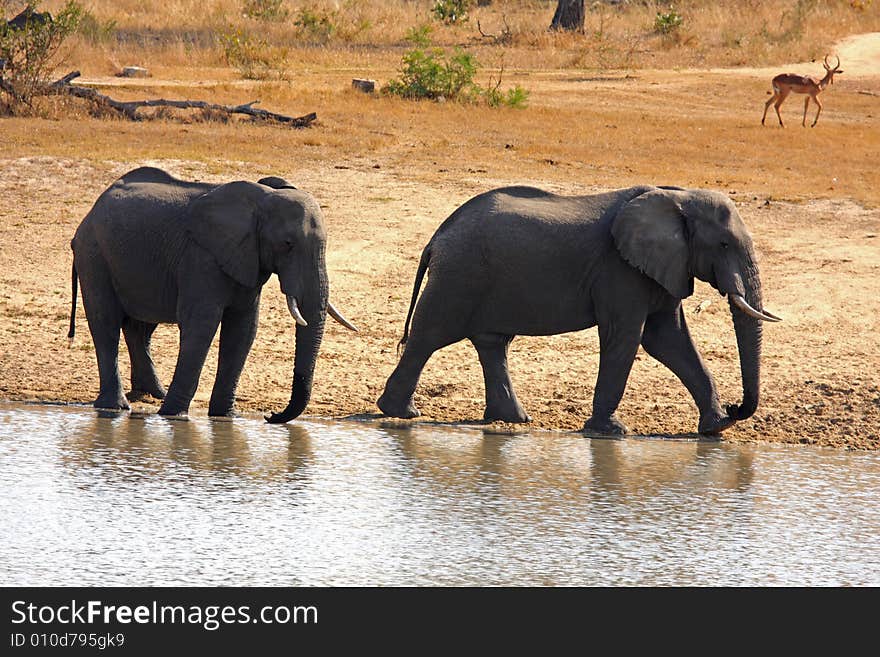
pixel 140 500
pixel 568 466
pixel 145 446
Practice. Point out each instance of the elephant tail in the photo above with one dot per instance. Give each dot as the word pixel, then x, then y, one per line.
pixel 73 288
pixel 420 275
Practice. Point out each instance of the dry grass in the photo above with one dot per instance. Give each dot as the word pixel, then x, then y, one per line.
pixel 603 128
pixel 607 132
pixel 185 33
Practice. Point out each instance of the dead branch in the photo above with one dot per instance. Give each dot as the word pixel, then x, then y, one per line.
pixel 129 109
pixel 503 37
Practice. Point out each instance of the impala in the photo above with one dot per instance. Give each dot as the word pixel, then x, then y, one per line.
pixel 786 83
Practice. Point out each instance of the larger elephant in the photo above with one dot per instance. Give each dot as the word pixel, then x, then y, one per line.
pixel 154 249
pixel 522 261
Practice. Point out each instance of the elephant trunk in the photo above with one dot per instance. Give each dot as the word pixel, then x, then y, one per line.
pixel 749 329
pixel 308 340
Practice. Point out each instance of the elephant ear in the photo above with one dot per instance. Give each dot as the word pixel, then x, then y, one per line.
pixel 650 232
pixel 225 222
pixel 275 182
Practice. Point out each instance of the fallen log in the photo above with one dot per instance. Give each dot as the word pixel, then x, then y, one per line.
pixel 129 109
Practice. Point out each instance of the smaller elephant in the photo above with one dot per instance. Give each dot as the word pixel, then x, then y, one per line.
pixel 522 261
pixel 154 249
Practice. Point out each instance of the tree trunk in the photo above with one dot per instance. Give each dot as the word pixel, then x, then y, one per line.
pixel 569 16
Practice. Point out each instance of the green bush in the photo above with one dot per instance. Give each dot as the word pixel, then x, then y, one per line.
pixel 516 97
pixel 432 73
pixel 669 22
pixel 316 24
pixel 27 52
pixel 254 58
pixel 420 36
pixel 451 11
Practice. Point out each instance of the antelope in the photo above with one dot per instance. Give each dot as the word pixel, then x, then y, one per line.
pixel 785 83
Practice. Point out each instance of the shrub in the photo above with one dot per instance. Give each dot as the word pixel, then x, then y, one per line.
pixel 254 58
pixel 516 97
pixel 451 11
pixel 432 73
pixel 27 51
pixel 316 24
pixel 669 22
pixel 420 36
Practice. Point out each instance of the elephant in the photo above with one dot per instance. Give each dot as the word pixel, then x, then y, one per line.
pixel 155 249
pixel 523 261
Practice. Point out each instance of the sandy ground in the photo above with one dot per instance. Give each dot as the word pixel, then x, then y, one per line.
pixel 819 264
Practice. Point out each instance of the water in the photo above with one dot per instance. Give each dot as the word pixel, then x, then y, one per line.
pixel 119 500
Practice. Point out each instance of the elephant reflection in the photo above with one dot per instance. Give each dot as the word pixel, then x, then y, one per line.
pixel 567 468
pixel 149 447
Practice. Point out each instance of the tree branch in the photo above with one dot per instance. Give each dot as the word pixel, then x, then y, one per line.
pixel 129 109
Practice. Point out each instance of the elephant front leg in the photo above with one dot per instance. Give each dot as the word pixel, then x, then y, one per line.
pixel 501 401
pixel 618 344
pixel 195 340
pixel 666 338
pixel 237 333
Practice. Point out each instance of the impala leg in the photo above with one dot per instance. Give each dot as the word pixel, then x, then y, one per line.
pixel 781 99
pixel 819 105
pixel 806 105
pixel 767 106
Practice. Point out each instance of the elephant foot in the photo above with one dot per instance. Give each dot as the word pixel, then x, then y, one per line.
pixel 603 428
pixel 513 415
pixel 714 424
pixel 116 402
pixel 392 408
pixel 225 411
pixel 140 394
pixel 172 410
pixel 177 417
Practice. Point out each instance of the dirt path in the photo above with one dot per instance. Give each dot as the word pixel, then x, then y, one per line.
pixel 859 56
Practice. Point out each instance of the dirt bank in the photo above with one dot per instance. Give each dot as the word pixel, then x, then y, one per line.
pixel 820 265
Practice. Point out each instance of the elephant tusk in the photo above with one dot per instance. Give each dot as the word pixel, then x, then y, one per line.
pixel 338 316
pixel 294 311
pixel 741 303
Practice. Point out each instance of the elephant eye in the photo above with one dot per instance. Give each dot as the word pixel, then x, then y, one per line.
pixel 289 244
pixel 724 245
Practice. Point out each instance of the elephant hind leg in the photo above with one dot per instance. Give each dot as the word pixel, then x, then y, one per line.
pixel 397 398
pixel 104 314
pixel 437 322
pixel 501 401
pixel 144 380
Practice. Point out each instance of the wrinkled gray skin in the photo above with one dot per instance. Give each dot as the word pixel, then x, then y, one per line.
pixel 155 249
pixel 521 261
